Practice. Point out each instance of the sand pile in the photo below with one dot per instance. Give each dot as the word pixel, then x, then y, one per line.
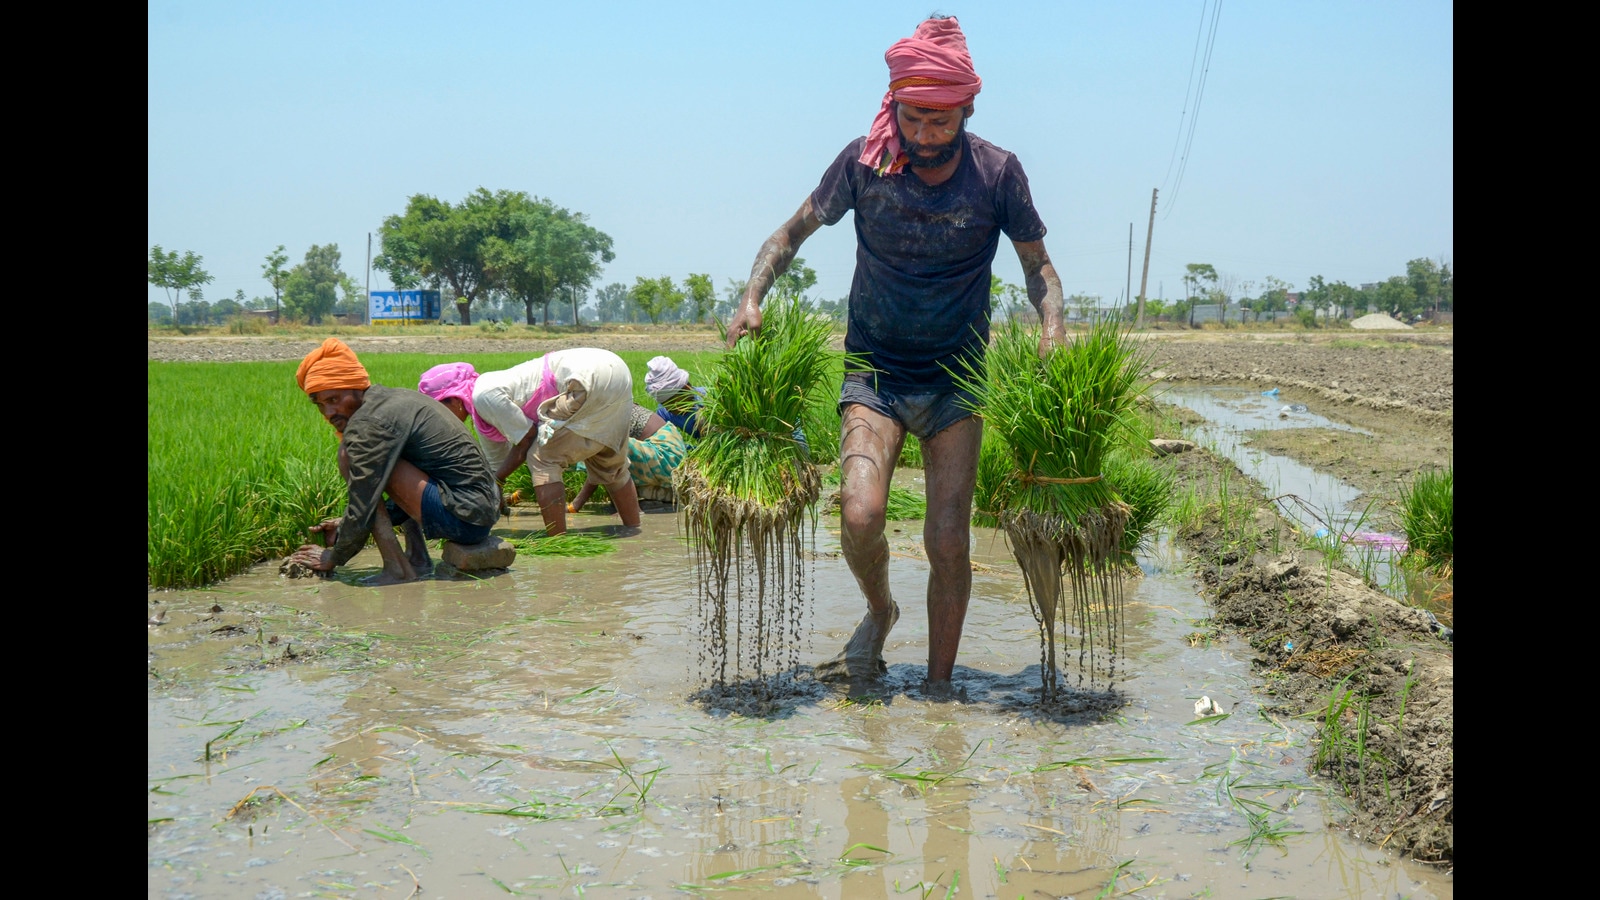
pixel 1379 322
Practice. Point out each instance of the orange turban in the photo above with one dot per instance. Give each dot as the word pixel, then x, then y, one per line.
pixel 331 367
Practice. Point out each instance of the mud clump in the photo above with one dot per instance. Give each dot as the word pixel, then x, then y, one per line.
pixel 1373 672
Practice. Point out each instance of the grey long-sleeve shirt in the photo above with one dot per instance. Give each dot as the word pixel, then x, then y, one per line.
pixel 394 424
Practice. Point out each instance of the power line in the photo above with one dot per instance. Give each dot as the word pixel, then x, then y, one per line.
pixel 1188 89
pixel 1205 71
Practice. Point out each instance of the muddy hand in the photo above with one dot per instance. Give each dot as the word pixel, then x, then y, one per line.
pixel 313 557
pixel 326 531
pixel 746 321
pixel 862 658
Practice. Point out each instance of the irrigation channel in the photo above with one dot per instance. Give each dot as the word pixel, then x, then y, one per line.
pixel 1316 501
pixel 532 734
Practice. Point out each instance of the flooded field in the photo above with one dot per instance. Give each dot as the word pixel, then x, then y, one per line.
pixel 533 734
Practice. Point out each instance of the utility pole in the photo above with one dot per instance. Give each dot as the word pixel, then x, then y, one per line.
pixel 1127 292
pixel 366 312
pixel 1144 279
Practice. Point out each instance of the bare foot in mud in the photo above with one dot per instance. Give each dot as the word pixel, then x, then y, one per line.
pixel 944 691
pixel 862 657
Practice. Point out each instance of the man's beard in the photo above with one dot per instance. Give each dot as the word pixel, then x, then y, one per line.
pixel 946 152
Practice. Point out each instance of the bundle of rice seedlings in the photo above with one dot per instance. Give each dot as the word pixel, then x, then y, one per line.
pixel 1146 488
pixel 570 543
pixel 1045 473
pixel 1427 515
pixel 744 489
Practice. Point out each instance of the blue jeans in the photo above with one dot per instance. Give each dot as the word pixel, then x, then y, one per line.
pixel 924 415
pixel 438 522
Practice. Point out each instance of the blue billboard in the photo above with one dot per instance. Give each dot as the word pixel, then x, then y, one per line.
pixel 414 306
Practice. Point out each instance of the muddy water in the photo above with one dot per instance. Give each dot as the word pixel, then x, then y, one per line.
pixel 1330 504
pixel 531 733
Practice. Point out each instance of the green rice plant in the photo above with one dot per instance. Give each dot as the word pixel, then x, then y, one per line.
pixel 1146 488
pixel 1427 509
pixel 910 453
pixel 746 483
pixel 1047 478
pixel 571 543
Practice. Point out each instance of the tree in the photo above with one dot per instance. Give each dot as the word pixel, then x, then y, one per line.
pixel 1398 297
pixel 836 310
pixel 702 295
pixel 275 274
pixel 540 252
pixel 1010 300
pixel 795 281
pixel 655 296
pixel 311 290
pixel 444 243
pixel 175 274
pixel 1198 279
pixel 611 302
pixel 1274 296
pixel 1426 281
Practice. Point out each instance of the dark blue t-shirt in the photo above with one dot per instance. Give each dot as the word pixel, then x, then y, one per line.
pixel 919 302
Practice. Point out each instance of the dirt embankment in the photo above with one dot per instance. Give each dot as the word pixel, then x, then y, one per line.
pixel 1352 374
pixel 1376 675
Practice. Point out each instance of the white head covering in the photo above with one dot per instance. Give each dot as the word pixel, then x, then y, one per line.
pixel 664 378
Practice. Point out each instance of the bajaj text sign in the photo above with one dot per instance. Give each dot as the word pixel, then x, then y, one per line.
pixel 405 305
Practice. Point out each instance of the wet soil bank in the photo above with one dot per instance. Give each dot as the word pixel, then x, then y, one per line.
pixel 1351 374
pixel 1375 675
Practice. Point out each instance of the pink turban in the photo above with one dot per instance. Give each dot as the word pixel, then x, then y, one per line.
pixel 931 70
pixel 450 380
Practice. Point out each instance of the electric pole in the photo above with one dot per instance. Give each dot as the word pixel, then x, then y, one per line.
pixel 1144 278
pixel 1127 292
pixel 366 312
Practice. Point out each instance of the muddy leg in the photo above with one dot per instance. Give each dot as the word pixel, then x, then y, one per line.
pixel 552 507
pixel 868 449
pixel 952 467
pixel 626 499
pixel 417 547
pixel 396 568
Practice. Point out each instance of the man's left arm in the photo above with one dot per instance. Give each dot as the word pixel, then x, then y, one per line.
pixel 1044 291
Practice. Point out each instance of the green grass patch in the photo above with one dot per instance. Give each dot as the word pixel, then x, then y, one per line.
pixel 1427 510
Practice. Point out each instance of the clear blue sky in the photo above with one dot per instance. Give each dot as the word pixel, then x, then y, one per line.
pixel 689 131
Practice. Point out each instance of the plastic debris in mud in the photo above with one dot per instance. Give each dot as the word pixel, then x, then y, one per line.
pixel 745 489
pixel 1051 427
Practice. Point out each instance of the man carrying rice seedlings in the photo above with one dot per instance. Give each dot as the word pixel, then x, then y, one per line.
pixel 397 442
pixel 553 411
pixel 931 202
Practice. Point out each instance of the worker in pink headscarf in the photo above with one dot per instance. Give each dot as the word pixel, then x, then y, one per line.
pixel 931 202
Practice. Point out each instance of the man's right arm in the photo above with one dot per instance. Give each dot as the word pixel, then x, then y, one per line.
pixel 373 450
pixel 772 260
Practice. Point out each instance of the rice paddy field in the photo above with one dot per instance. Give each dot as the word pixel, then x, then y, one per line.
pixel 535 732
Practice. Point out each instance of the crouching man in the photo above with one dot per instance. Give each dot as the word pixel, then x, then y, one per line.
pixel 404 444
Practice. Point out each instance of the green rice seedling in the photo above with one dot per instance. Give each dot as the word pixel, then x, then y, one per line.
pixel 1427 509
pixel 571 543
pixel 744 488
pixel 1057 422
pixel 1146 488
pixel 910 453
pixel 905 504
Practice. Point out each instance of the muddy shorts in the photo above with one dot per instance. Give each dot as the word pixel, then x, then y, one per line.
pixel 438 522
pixel 607 467
pixel 652 460
pixel 924 415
